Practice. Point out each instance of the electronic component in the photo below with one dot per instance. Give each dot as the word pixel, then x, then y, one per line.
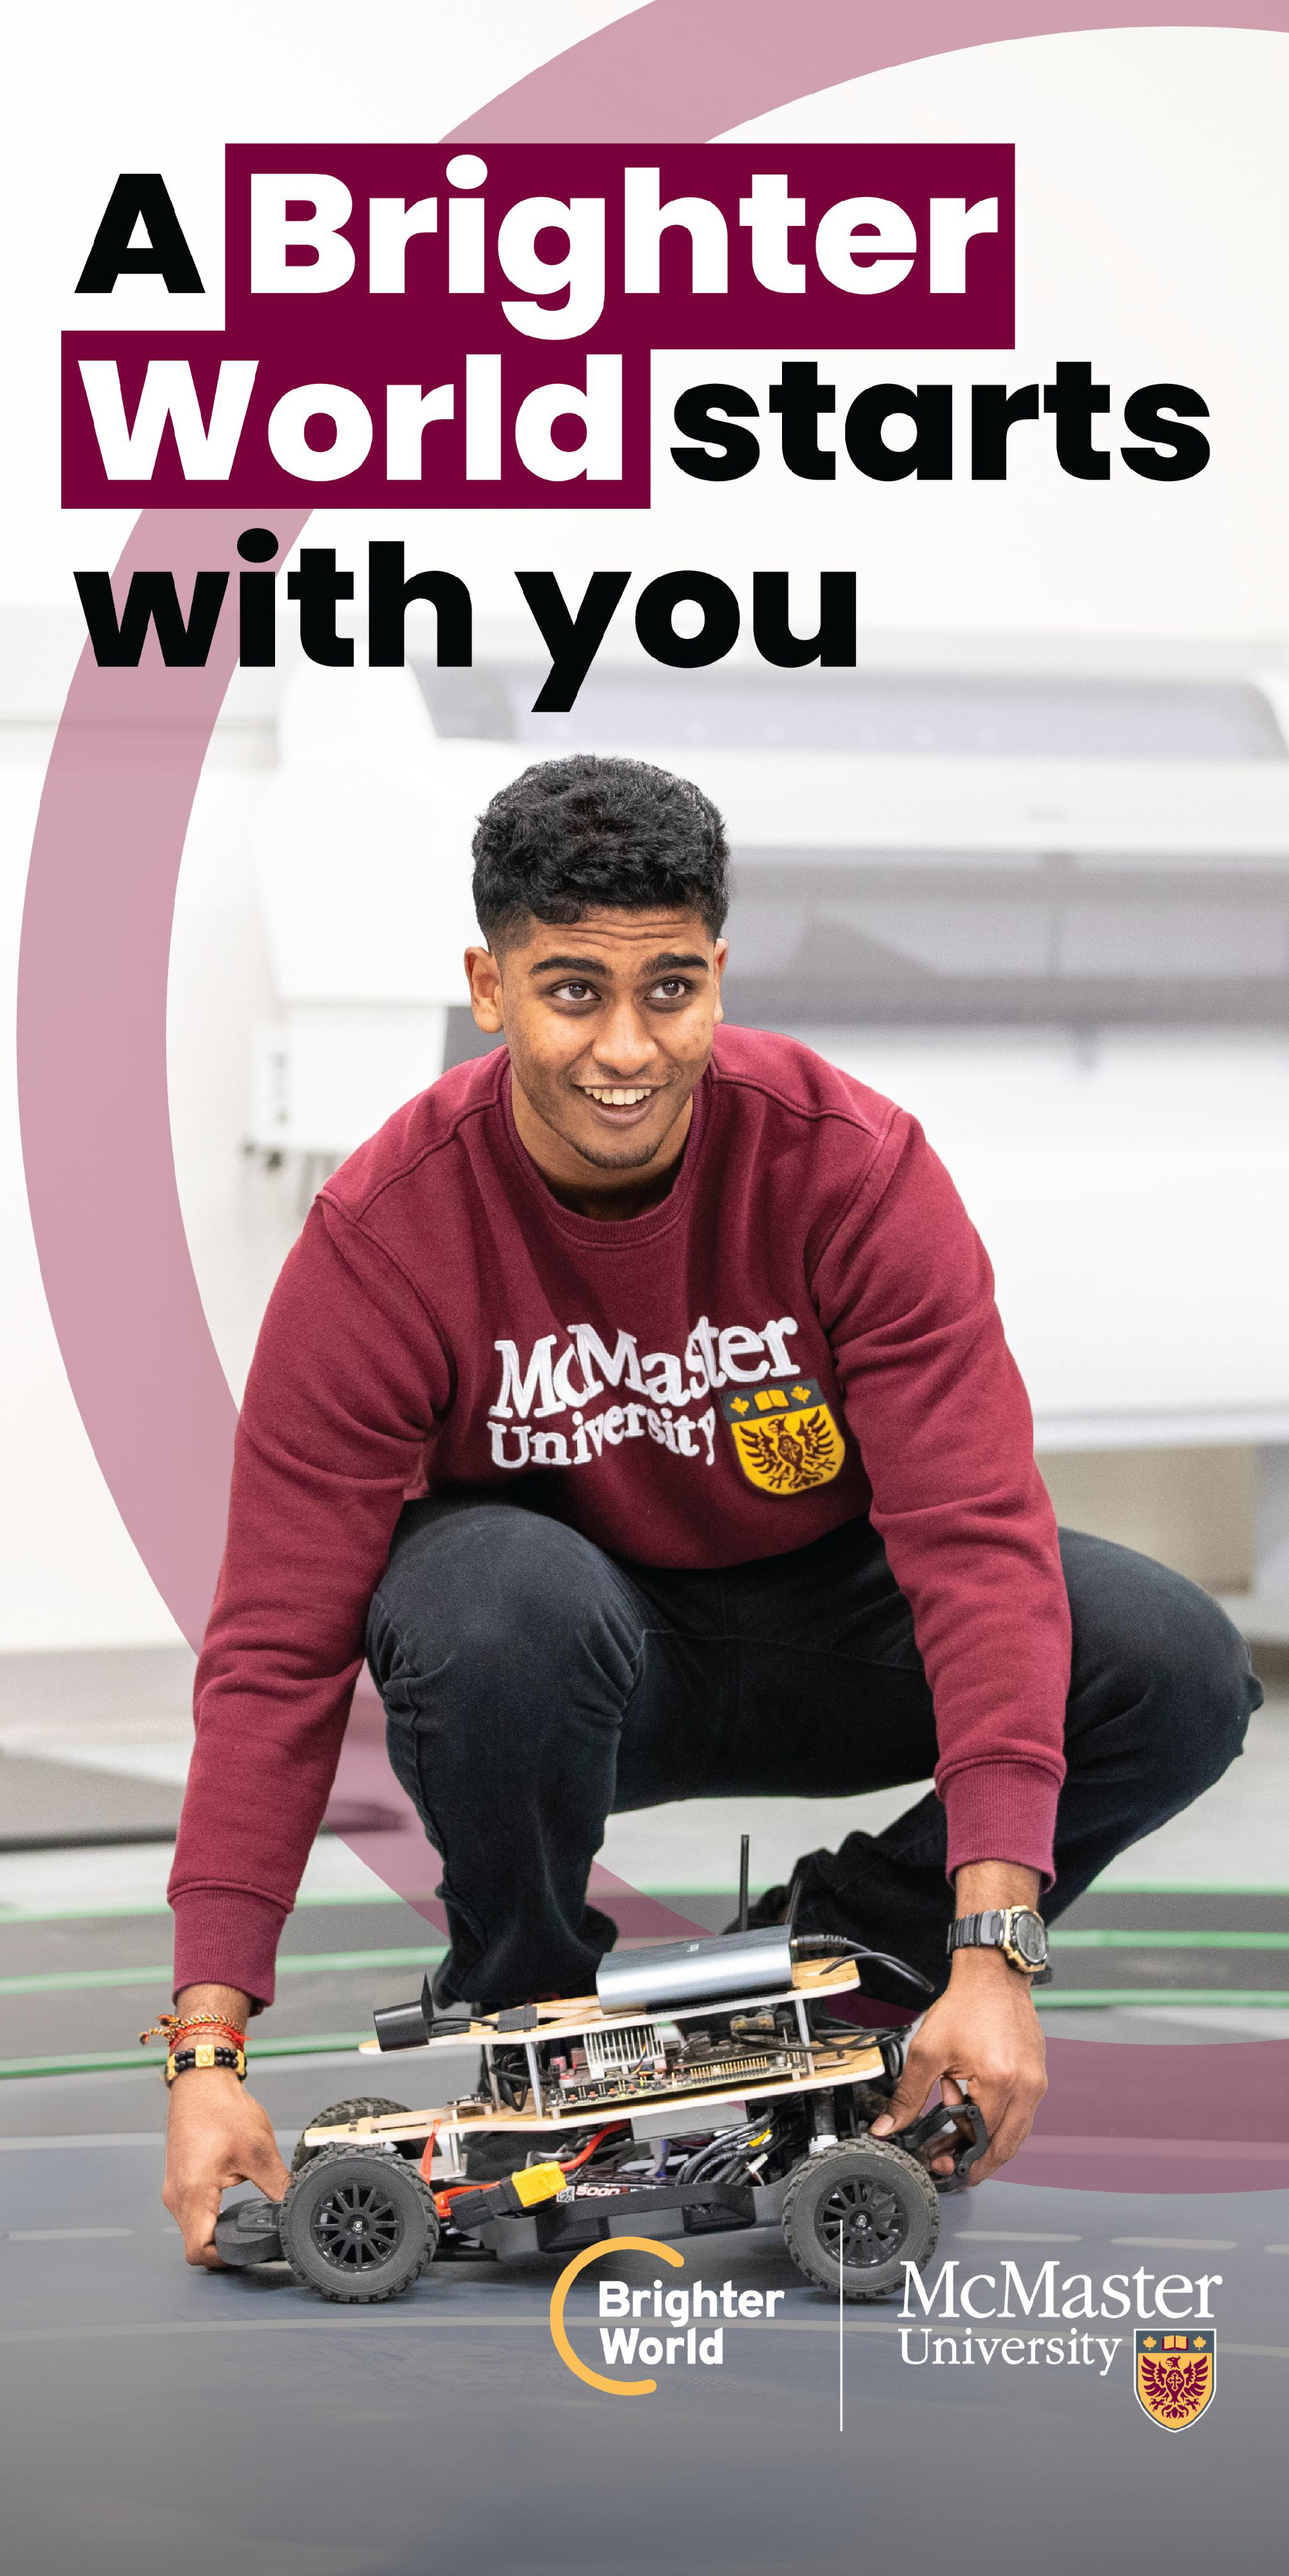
pixel 509 2197
pixel 696 1972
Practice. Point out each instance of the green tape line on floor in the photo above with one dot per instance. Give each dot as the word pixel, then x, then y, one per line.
pixel 112 2061
pixel 301 1964
pixel 1162 1998
pixel 345 1962
pixel 1112 1887
pixel 1149 1939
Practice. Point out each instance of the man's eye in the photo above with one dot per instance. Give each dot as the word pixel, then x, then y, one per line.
pixel 571 993
pixel 672 988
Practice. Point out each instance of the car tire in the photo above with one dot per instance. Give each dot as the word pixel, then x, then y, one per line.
pixel 865 2204
pixel 365 2106
pixel 358 2226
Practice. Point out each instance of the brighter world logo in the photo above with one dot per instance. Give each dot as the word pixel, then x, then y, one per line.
pixel 689 2321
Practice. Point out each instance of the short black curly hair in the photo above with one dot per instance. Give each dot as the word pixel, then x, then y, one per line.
pixel 573 836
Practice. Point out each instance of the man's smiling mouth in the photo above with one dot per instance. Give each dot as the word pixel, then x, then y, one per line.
pixel 618 1095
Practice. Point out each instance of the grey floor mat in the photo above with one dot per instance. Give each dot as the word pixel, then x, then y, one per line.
pixel 48 1803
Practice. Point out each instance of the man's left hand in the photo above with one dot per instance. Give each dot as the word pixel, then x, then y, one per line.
pixel 983 2037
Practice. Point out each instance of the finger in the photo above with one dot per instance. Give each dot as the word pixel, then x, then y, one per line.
pixel 1011 2131
pixel 196 2214
pixel 952 2093
pixel 1010 2136
pixel 265 2168
pixel 911 2093
pixel 962 2093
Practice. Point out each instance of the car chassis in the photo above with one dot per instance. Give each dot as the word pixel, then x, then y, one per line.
pixel 596 2116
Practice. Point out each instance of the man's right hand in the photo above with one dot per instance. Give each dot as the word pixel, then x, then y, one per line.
pixel 217 2134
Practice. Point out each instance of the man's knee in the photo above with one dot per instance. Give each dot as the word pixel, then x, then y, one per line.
pixel 1155 1650
pixel 1206 1689
pixel 496 1597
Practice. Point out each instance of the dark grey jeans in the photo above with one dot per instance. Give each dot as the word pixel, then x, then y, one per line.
pixel 534 1686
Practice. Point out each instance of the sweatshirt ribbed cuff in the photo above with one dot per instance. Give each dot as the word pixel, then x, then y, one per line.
pixel 1002 1811
pixel 227 1936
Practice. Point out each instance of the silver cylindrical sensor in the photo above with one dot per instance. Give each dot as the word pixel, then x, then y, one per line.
pixel 696 1972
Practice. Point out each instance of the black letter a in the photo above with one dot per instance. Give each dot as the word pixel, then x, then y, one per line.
pixel 151 596
pixel 140 193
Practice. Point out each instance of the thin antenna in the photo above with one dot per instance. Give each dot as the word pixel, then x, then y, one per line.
pixel 745 1841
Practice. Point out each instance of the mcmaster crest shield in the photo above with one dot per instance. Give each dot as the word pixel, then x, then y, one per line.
pixel 1174 2376
pixel 786 1435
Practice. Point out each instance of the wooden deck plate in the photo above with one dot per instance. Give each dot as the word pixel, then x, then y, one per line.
pixel 857 2063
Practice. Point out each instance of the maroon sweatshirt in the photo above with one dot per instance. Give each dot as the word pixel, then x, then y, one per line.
pixel 803 1330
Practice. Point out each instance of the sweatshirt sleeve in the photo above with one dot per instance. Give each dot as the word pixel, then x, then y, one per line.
pixel 348 1379
pixel 935 1400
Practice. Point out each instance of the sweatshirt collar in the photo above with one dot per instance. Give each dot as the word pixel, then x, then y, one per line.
pixel 613 1233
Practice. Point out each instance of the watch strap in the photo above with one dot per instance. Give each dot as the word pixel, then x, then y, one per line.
pixel 991 1931
pixel 978 1931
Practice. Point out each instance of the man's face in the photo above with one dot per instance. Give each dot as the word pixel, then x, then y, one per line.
pixel 609 1023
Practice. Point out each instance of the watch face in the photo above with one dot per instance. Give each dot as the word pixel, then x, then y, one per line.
pixel 1030 1937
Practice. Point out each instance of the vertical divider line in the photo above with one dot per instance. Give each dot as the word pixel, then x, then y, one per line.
pixel 841 2329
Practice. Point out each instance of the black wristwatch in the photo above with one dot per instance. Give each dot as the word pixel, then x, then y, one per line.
pixel 1016 1930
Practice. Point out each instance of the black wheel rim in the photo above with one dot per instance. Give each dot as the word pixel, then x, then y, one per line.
pixel 861 2224
pixel 356 2226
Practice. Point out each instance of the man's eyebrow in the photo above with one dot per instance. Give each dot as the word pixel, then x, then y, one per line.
pixel 665 964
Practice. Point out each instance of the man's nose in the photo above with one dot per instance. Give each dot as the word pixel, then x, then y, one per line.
pixel 623 1044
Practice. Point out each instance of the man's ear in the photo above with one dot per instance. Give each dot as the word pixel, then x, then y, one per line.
pixel 719 955
pixel 483 975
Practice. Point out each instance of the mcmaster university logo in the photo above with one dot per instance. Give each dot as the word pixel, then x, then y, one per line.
pixel 548 1411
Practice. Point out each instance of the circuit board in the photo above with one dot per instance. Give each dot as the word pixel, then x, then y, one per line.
pixel 558 2064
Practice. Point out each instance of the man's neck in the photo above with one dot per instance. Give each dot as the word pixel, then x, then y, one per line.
pixel 585 1188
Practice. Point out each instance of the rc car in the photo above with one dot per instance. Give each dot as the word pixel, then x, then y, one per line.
pixel 707 2085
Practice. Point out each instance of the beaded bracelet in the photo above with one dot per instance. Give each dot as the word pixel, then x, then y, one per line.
pixel 199 2039
pixel 206 2053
